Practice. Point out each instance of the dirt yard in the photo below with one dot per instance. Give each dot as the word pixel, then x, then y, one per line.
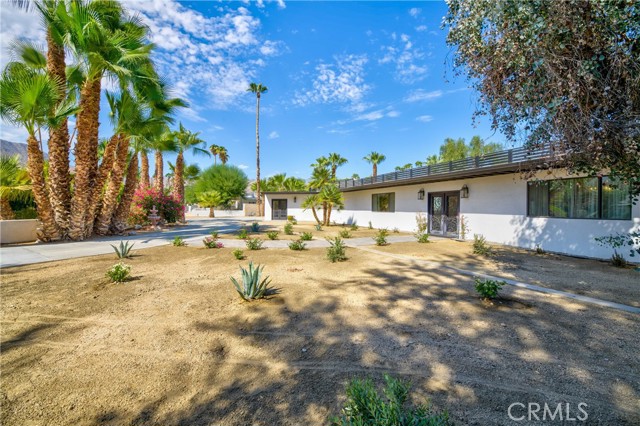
pixel 177 346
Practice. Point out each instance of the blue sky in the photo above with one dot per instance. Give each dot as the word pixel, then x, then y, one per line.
pixel 346 77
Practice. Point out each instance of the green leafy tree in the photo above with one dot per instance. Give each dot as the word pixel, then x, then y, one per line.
pixel 210 199
pixel 563 73
pixel 228 181
pixel 374 159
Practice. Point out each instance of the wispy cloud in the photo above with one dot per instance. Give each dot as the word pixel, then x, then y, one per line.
pixel 424 118
pixel 422 95
pixel 274 135
pixel 243 166
pixel 415 11
pixel 409 60
pixel 13 133
pixel 14 23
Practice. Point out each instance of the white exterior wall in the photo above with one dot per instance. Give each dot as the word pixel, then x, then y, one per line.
pixel 496 208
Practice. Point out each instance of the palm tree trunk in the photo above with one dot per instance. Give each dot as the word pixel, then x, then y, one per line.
pixel 258 195
pixel 59 178
pixel 329 207
pixel 110 200
pixel 315 215
pixel 105 168
pixel 325 219
pixel 144 170
pixel 375 170
pixel 86 154
pixel 6 212
pixel 178 181
pixel 119 222
pixel 159 176
pixel 49 230
pixel 212 212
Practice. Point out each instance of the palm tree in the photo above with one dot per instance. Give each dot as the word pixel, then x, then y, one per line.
pixel 331 197
pixel 15 185
pixel 210 199
pixel 294 184
pixel 258 89
pixel 375 159
pixel 144 169
pixel 218 150
pixel 313 202
pixel 335 161
pixel 185 141
pixel 321 177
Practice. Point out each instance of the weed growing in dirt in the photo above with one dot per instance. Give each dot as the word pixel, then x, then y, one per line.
pixel 119 272
pixel 370 225
pixel 210 242
pixel 238 254
pixel 488 289
pixel 381 237
pixel 288 228
pixel 354 227
pixel 254 243
pixel 255 227
pixel 337 250
pixel 421 223
pixel 123 251
pixel 252 287
pixel 422 238
pixel 179 242
pixel 618 260
pixel 396 230
pixel 297 245
pixel 243 234
pixel 480 245
pixel 306 236
pixel 214 235
pixel 272 235
pixel 365 406
pixel 292 219
pixel 345 233
pixel 318 227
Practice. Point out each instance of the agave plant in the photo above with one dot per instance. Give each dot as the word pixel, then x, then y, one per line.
pixel 252 287
pixel 123 251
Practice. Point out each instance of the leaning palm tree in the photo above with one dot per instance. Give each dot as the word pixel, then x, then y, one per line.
pixel 258 89
pixel 185 141
pixel 375 159
pixel 336 160
pixel 314 203
pixel 15 185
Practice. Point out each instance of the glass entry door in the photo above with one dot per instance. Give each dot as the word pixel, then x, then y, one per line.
pixel 279 210
pixel 444 209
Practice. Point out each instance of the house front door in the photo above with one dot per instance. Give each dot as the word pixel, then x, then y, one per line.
pixel 444 212
pixel 279 210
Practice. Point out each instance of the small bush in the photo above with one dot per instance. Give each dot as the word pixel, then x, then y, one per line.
pixel 318 227
pixel 272 235
pixel 243 234
pixel 252 287
pixel 214 235
pixel 292 219
pixel 337 250
pixel 306 236
pixel 370 225
pixel 255 227
pixel 288 228
pixel 254 243
pixel 210 242
pixel 365 406
pixel 345 233
pixel 396 230
pixel 488 289
pixel 123 251
pixel 297 245
pixel 381 237
pixel 421 223
pixel 618 260
pixel 179 242
pixel 480 245
pixel 539 249
pixel 354 227
pixel 238 254
pixel 119 272
pixel 422 237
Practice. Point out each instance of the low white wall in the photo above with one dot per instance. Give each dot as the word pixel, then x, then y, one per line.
pixel 18 231
pixel 204 212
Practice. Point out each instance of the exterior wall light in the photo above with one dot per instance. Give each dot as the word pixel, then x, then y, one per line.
pixel 464 192
pixel 421 194
pixel 295 199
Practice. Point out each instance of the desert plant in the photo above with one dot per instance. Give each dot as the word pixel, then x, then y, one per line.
pixel 214 235
pixel 288 228
pixel 480 245
pixel 539 249
pixel 318 227
pixel 354 227
pixel 345 233
pixel 273 235
pixel 306 236
pixel 422 237
pixel 119 272
pixel 210 242
pixel 365 406
pixel 255 227
pixel 396 230
pixel 179 242
pixel 254 243
pixel 252 287
pixel 336 252
pixel 370 225
pixel 238 254
pixel 618 260
pixel 464 227
pixel 421 223
pixel 297 245
pixel 488 289
pixel 243 234
pixel 381 237
pixel 123 251
pixel 292 220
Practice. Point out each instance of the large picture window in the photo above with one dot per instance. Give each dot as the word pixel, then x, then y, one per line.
pixel 383 202
pixel 579 198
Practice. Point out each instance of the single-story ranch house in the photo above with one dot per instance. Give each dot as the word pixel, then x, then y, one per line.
pixel 488 196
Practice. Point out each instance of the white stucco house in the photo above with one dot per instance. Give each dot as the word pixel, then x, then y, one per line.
pixel 488 196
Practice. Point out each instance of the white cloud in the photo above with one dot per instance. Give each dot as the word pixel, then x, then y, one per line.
pixel 13 133
pixel 281 4
pixel 423 95
pixel 410 61
pixel 14 23
pixel 424 118
pixel 421 28
pixel 377 115
pixel 414 11
pixel 243 166
pixel 393 114
pixel 274 135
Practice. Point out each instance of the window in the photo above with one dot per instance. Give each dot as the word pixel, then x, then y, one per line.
pixel 383 202
pixel 579 198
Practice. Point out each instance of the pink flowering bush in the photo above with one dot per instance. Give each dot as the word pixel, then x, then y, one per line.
pixel 169 207
pixel 211 242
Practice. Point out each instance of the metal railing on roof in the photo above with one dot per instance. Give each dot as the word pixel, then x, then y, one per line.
pixel 510 156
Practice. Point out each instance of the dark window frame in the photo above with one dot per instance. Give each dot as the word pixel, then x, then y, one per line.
pixel 390 194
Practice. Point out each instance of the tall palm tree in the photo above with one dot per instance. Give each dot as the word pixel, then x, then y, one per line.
pixel 221 151
pixel 185 141
pixel 335 161
pixel 15 185
pixel 331 198
pixel 258 90
pixel 144 169
pixel 375 159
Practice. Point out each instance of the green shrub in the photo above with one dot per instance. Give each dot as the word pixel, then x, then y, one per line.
pixel 119 272
pixel 26 213
pixel 336 252
pixel 210 242
pixel 273 235
pixel 297 245
pixel 366 407
pixel 354 227
pixel 252 287
pixel 214 235
pixel 618 260
pixel 179 242
pixel 422 237
pixel 243 234
pixel 539 249
pixel 255 227
pixel 381 237
pixel 238 254
pixel 254 243
pixel 288 228
pixel 480 245
pixel 318 227
pixel 396 230
pixel 345 233
pixel 306 236
pixel 123 251
pixel 488 289
pixel 292 219
pixel 421 223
